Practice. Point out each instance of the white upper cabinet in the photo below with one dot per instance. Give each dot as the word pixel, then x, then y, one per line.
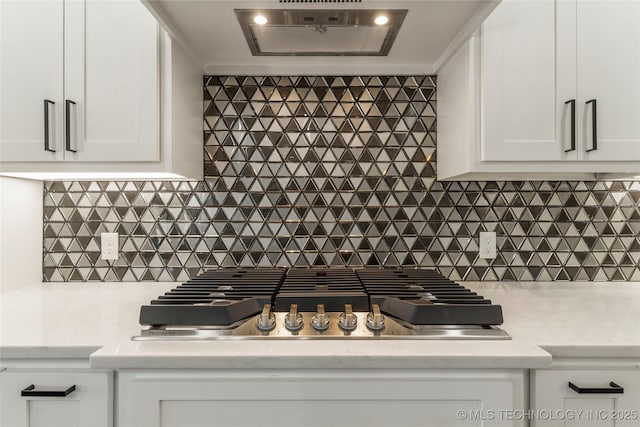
pixel 82 75
pixel 111 74
pixel 609 74
pixel 31 92
pixel 522 101
pixel 94 89
pixel 551 71
pixel 544 75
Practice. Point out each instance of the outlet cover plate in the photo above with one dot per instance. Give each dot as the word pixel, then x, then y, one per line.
pixel 109 246
pixel 487 245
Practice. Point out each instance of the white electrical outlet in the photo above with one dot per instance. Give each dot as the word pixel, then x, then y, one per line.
pixel 487 245
pixel 109 246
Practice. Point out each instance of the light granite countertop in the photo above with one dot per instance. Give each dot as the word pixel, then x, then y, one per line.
pixel 75 320
pixel 71 320
pixel 570 319
pixel 313 354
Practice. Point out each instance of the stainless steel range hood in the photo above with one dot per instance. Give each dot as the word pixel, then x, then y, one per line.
pixel 318 32
pixel 320 37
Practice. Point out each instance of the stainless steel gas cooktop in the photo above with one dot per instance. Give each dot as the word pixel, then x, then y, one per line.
pixel 273 303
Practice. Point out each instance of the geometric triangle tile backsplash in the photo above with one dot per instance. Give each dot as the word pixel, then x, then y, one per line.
pixel 336 171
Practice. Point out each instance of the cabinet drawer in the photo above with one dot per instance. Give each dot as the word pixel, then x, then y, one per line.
pixel 323 397
pixel 43 398
pixel 596 397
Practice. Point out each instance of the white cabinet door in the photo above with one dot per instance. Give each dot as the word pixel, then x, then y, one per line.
pixel 609 73
pixel 324 398
pixel 551 393
pixel 528 76
pixel 31 66
pixel 90 405
pixel 540 61
pixel 111 74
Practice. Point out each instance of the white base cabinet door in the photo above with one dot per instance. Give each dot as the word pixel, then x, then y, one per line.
pixel 28 399
pixel 595 400
pixel 327 398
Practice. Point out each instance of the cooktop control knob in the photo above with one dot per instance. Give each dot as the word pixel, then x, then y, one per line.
pixel 375 319
pixel 266 319
pixel 320 320
pixel 348 320
pixel 293 319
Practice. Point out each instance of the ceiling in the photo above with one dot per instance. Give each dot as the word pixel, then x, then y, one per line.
pixel 210 31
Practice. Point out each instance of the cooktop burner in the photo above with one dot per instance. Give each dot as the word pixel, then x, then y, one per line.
pixel 321 303
pixel 333 288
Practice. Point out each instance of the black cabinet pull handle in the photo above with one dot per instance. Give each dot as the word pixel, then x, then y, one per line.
pixel 615 389
pixel 47 136
pixel 67 113
pixel 572 102
pixel 594 125
pixel 48 391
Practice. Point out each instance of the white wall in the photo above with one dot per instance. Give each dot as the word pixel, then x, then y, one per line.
pixel 20 232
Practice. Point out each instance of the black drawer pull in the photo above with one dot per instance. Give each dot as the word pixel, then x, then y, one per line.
pixel 615 388
pixel 48 391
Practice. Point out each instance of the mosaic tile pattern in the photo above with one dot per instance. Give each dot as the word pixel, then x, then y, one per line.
pixel 336 171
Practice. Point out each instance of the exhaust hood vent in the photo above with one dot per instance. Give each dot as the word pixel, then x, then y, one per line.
pixel 320 1
pixel 411 37
pixel 321 32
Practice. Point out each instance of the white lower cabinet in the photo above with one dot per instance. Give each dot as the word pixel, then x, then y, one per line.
pixel 432 398
pixel 605 397
pixel 600 396
pixel 36 398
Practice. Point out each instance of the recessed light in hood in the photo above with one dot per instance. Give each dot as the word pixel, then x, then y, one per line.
pixel 299 32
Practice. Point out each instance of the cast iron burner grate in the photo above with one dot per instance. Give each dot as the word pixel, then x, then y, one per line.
pixel 333 288
pixel 227 297
pixel 425 297
pixel 215 297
